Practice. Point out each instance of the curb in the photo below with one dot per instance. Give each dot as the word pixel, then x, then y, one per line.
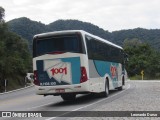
pixel 17 90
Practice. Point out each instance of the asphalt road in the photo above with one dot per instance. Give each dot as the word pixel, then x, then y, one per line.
pixel 136 96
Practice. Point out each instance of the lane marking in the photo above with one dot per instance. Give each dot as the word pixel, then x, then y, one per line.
pixel 89 104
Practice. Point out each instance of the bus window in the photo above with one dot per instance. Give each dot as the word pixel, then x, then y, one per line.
pixel 54 44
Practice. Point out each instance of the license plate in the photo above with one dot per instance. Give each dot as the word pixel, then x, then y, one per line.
pixel 60 90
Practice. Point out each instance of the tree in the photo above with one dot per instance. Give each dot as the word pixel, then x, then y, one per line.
pixel 2 14
pixel 15 59
pixel 142 57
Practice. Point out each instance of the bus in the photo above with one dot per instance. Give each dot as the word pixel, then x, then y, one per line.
pixel 71 62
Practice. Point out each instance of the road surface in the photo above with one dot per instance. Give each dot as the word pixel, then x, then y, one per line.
pixel 136 96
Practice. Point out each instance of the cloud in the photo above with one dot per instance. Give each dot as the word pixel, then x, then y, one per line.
pixel 20 2
pixel 108 14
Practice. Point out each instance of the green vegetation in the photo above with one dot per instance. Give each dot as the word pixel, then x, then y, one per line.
pixel 142 57
pixel 15 59
pixel 152 36
pixel 27 28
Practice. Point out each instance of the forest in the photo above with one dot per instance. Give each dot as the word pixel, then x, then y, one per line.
pixel 15 58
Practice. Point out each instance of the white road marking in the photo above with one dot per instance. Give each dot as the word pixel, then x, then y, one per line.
pixel 89 104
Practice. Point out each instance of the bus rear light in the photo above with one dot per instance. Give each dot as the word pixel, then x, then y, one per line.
pixel 84 77
pixel 36 81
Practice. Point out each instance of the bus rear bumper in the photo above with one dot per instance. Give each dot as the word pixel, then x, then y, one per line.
pixel 63 89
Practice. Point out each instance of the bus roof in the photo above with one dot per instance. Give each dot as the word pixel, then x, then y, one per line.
pixel 103 40
pixel 75 31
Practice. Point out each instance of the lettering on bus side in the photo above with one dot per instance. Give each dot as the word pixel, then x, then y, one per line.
pixel 113 70
pixel 59 70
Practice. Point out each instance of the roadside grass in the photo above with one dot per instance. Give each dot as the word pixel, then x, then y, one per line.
pixel 13 84
pixel 139 77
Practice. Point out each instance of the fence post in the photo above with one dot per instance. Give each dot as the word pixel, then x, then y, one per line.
pixel 5 85
pixel 142 73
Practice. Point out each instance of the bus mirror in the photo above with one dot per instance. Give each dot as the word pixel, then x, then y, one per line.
pixel 126 57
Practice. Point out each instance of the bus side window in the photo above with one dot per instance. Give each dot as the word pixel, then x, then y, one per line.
pixel 89 46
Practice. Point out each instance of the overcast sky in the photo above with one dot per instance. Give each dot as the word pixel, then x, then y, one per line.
pixel 108 14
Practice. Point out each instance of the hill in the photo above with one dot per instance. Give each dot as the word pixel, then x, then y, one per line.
pixel 28 28
pixel 144 35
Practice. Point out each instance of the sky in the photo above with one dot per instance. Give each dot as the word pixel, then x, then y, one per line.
pixel 111 15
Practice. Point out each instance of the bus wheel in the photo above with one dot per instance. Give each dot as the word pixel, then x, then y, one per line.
pixel 106 92
pixel 68 97
pixel 123 83
pixel 120 88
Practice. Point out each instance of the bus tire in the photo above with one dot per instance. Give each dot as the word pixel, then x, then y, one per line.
pixel 123 83
pixel 120 88
pixel 68 97
pixel 106 92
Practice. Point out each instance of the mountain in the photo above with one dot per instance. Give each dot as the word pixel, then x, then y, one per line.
pixel 78 25
pixel 27 28
pixel 151 37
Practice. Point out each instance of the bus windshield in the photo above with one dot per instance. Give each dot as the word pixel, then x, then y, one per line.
pixel 57 44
